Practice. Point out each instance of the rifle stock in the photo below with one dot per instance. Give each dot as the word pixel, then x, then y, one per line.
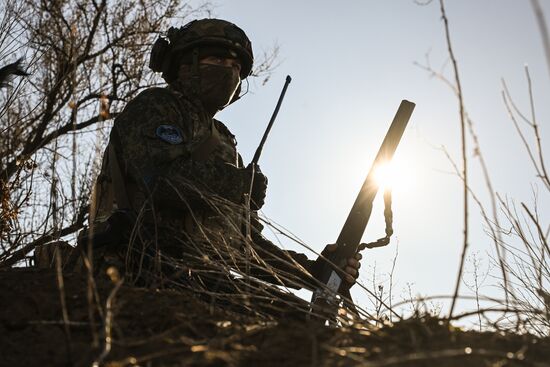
pixel 350 236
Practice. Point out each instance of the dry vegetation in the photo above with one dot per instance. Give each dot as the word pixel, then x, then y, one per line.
pixel 175 328
pixel 87 58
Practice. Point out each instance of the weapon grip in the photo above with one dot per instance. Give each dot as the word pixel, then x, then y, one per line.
pixel 332 271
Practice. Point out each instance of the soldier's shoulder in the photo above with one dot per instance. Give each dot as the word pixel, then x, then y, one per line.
pixel 222 128
pixel 147 105
pixel 156 96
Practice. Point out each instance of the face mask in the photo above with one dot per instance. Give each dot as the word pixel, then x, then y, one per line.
pixel 217 85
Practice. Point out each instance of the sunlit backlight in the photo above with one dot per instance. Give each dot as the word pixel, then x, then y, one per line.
pixel 393 175
pixel 385 175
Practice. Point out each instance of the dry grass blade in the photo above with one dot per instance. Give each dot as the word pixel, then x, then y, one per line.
pixel 109 316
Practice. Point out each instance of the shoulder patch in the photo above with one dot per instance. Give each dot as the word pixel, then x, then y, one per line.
pixel 170 134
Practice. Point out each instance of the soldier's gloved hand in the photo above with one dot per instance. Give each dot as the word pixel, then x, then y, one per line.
pixel 259 188
pixel 352 266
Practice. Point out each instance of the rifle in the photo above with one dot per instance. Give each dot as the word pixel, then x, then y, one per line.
pixel 254 166
pixel 254 163
pixel 331 274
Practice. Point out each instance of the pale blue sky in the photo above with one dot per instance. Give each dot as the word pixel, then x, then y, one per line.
pixel 351 64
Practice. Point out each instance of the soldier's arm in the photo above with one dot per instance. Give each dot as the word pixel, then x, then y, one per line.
pixel 288 267
pixel 161 162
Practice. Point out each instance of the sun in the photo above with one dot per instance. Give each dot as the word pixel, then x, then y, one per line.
pixel 384 175
pixel 392 175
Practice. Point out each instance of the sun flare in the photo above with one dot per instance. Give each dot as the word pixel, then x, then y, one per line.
pixel 392 175
pixel 385 175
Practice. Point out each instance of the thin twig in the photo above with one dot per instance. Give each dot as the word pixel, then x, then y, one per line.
pixel 109 316
pixel 543 29
pixel 494 227
pixel 536 131
pixel 464 157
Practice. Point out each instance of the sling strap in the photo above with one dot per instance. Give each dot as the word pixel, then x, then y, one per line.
pixel 121 194
pixel 208 145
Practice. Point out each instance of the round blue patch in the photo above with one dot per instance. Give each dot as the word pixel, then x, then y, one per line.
pixel 170 134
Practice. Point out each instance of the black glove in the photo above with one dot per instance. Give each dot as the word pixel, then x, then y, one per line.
pixel 318 264
pixel 259 187
pixel 351 268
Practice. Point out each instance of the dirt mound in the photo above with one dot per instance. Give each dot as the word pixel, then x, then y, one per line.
pixel 175 328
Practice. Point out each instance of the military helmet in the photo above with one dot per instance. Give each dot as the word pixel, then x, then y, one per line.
pixel 198 34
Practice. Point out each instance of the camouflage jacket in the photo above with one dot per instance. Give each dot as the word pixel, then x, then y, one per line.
pixel 181 178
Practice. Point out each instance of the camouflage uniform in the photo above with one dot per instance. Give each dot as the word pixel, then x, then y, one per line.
pixel 179 194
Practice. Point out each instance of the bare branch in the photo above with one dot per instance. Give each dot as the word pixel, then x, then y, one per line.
pixel 464 157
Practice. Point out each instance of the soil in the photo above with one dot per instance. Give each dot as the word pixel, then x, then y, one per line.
pixel 175 328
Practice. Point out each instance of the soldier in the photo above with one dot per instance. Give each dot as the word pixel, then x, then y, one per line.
pixel 177 169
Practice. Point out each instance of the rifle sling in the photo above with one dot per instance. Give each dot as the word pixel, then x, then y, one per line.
pixel 208 145
pixel 121 195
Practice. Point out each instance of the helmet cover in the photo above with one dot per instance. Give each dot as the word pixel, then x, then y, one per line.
pixel 202 33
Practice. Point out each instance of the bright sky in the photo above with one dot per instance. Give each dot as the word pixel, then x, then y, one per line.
pixel 352 62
